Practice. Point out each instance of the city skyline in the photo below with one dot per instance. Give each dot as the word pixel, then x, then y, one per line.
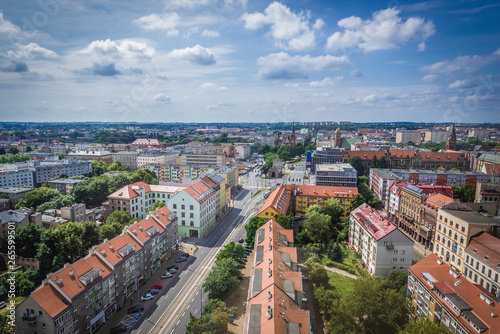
pixel 241 61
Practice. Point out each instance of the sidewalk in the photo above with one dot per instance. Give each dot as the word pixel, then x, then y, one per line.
pixel 341 272
pixel 121 316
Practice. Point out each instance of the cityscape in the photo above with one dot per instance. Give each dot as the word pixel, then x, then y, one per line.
pixel 249 167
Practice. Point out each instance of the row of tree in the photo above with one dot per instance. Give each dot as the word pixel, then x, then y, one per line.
pixel 10 158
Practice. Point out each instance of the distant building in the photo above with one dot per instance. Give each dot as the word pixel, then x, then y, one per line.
pixel 202 159
pixel 379 242
pixel 243 151
pixel 336 175
pixel 278 203
pixel 325 155
pixel 11 220
pixel 64 186
pixel 105 156
pixel 480 134
pixel 408 136
pixel 15 193
pixel 451 141
pixel 436 136
pixel 126 158
pixel 4 204
pixel 154 158
pixel 276 169
pixel 381 181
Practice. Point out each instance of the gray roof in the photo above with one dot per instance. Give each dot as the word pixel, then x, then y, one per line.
pixel 255 319
pixel 474 217
pixel 385 173
pixel 11 216
pixel 458 302
pixel 14 190
pixel 257 281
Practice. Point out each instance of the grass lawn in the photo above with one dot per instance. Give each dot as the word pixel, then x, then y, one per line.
pixel 17 300
pixel 343 284
pixel 258 192
pixel 348 258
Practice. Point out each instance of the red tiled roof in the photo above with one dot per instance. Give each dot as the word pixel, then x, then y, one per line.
pixel 364 155
pixel 371 221
pixel 445 190
pixel 487 248
pixel 402 153
pixel 437 201
pixel 279 200
pixel 50 300
pixel 320 191
pixel 440 156
pixel 112 255
pixel 143 141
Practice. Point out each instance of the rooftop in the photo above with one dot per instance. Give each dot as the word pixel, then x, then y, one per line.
pixel 279 200
pixel 486 248
pixel 343 167
pixel 374 223
pixel 474 217
pixel 320 191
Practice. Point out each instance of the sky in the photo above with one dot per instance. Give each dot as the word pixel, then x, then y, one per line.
pixel 249 60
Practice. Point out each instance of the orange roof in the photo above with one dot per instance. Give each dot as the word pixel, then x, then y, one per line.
pixel 320 191
pixel 440 156
pixel 487 248
pixel 129 192
pixel 197 189
pixel 402 153
pixel 50 300
pixel 437 201
pixel 68 278
pixel 466 290
pixel 109 249
pixel 364 155
pixel 279 200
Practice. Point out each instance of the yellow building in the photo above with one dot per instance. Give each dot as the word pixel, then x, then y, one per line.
pixel 302 196
pixel 277 203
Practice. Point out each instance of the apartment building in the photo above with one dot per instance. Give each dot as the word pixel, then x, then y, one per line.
pixel 17 179
pixel 303 196
pixel 243 151
pixel 149 158
pixel 137 198
pixel 382 246
pixel 126 158
pixel 201 159
pixel 4 204
pixel 394 203
pixel 77 213
pixel 15 193
pixel 336 175
pixel 482 257
pixel 11 220
pixel 105 156
pixel 175 173
pixel 230 174
pixel 275 297
pixel 324 155
pixel 278 202
pixel 408 136
pixel 436 136
pixel 381 181
pixel 64 186
pixel 441 294
pixel 455 229
pixel 488 197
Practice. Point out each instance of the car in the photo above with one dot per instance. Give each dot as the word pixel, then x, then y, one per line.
pixel 118 329
pixel 167 275
pixel 304 297
pixel 186 255
pixel 176 267
pixel 248 250
pixel 245 244
pixel 135 309
pixel 240 240
pixel 178 260
pixel 181 259
pixel 157 286
pixel 153 291
pixel 147 296
pixel 172 270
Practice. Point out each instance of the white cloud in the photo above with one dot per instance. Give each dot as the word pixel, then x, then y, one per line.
pixel 326 82
pixel 370 98
pixel 119 49
pixel 430 78
pixel 197 55
pixel 385 30
pixel 421 47
pixel 162 97
pixel 282 66
pixel 166 21
pixel 461 64
pixel 289 30
pixel 212 86
pixel 7 27
pixel 210 33
pixel 191 4
pixel 31 50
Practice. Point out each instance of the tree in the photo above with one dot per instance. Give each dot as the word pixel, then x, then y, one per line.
pixel 26 281
pixel 318 227
pixel 109 231
pixel 357 164
pixel 37 197
pixel 116 166
pixel 384 312
pixel 90 235
pixel 13 150
pixel 214 304
pixel 319 275
pixel 441 168
pixel 423 325
pixel 29 148
pixel 2 151
pixel 382 163
pixel 56 203
pixel 223 279
pixel 356 201
pixel 251 228
pixel 230 251
pixel 374 163
pixel 334 252
pixel 156 205
pixel 122 217
pixel 98 167
pixel 27 239
pixel 69 240
pixel 118 182
pixel 334 210
pixel 284 221
pixel 398 281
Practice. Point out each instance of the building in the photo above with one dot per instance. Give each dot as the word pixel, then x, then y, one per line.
pixel 4 204
pixel 408 136
pixel 436 136
pixel 126 158
pixel 440 293
pixel 64 186
pixel 46 170
pixel 51 219
pixel 338 138
pixel 394 202
pixel 11 220
pixel 230 174
pixel 324 155
pixel 176 173
pixel 243 151
pixel 382 246
pixel 105 156
pixel 336 175
pixel 278 203
pixel 487 159
pixel 455 228
pixel 275 298
pixel 201 159
pixel 149 158
pixel 488 197
pixel 303 196
pixel 482 257
pixel 381 180
pixel 16 179
pixel 276 169
pixel 77 213
pixel 451 141
pixel 480 134
pixel 137 198
pixel 146 143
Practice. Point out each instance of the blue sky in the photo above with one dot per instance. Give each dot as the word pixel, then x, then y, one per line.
pixel 249 61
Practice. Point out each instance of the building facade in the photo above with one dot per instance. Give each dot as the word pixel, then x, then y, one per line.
pixel 105 156
pixel 64 186
pixel 408 136
pixel 126 158
pixel 436 136
pixel 336 175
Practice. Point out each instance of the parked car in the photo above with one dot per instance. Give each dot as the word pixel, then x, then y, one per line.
pixel 118 329
pixel 186 255
pixel 147 296
pixel 176 267
pixel 304 297
pixel 172 270
pixel 157 286
pixel 153 291
pixel 181 259
pixel 240 240
pixel 167 275
pixel 135 309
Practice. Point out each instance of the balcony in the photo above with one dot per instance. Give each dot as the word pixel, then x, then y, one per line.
pixel 30 319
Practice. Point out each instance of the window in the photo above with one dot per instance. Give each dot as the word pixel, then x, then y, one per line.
pixel 463 229
pixel 191 207
pixel 395 251
pixel 58 321
pixel 403 252
pixel 467 259
pixel 175 206
pixel 489 273
pixel 183 206
pixel 192 223
pixel 475 278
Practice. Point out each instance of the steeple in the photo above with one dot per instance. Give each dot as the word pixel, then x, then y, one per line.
pixel 451 142
pixel 452 130
pixel 293 126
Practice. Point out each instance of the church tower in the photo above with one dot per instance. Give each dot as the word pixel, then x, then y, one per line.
pixel 338 138
pixel 292 136
pixel 451 142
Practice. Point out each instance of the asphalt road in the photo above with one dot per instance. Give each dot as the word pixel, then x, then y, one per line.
pixel 297 176
pixel 170 313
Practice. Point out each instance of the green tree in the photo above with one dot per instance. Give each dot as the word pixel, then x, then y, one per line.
pixel 109 231
pixel 423 325
pixel 374 163
pixel 398 281
pixel 284 221
pixel 118 182
pixel 357 164
pixel 382 163
pixel 222 279
pixel 26 281
pixel 334 252
pixel 37 197
pixel 230 251
pixel 318 227
pixel 2 151
pixel 251 228
pixel 356 201
pixel 318 275
pixel 333 209
pixel 27 239
pixel 122 217
pixel 156 205
pixel 90 235
pixel 13 150
pixel 214 304
pixel 69 240
pixel 56 203
pixel 29 148
pixel 98 167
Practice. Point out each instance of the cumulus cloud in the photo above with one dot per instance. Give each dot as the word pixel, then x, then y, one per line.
pixel 430 78
pixel 196 55
pixel 162 97
pixel 31 50
pixel 460 84
pixel 209 33
pixel 370 98
pixel 326 82
pixel 212 86
pixel 461 64
pixel 166 21
pixel 105 70
pixel 119 49
pixel 7 27
pixel 385 30
pixel 14 66
pixel 289 30
pixel 281 65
